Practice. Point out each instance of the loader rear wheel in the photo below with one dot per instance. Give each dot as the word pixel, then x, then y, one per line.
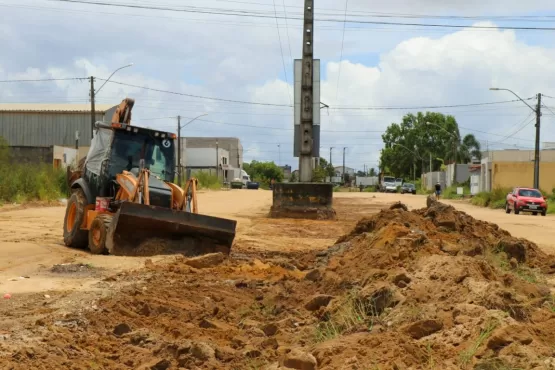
pixel 75 214
pixel 98 234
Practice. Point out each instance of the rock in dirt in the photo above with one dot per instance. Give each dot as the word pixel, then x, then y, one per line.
pixel 314 275
pixel 159 365
pixel 225 354
pixel 202 351
pixel 270 329
pixel 317 301
pixel 423 328
pixel 514 248
pixel 214 324
pixel 399 205
pixel 297 359
pixel 251 352
pixel 122 329
pixel 270 343
pixel 206 261
pixel 401 280
pixel 378 298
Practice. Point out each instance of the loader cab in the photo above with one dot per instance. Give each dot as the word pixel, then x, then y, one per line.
pixel 129 147
pixel 119 148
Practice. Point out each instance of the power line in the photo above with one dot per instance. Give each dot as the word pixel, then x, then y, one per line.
pixel 282 57
pixel 46 79
pixel 287 32
pixel 191 95
pixel 549 109
pixel 252 14
pixel 340 57
pixel 430 106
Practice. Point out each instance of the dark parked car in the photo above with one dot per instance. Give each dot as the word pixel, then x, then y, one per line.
pixel 253 185
pixel 408 188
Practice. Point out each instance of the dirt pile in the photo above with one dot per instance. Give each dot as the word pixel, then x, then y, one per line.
pixel 425 289
pixel 436 288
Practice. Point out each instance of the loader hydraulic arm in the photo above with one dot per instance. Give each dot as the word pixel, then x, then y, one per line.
pixel 123 111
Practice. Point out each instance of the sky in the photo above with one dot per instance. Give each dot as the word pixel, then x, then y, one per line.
pixel 196 48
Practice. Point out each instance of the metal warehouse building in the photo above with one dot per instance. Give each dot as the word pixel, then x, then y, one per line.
pixel 32 130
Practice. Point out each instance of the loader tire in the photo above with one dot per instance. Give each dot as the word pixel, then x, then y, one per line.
pixel 98 234
pixel 74 237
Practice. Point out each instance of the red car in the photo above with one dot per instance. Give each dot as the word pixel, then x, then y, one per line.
pixel 526 200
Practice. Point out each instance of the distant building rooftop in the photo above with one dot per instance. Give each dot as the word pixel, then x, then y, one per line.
pixel 53 107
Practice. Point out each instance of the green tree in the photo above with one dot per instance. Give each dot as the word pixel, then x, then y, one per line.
pixel 263 172
pixel 418 137
pixel 372 172
pixel 322 170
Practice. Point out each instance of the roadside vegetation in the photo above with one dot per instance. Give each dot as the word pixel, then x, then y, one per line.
pixel 21 183
pixel 207 180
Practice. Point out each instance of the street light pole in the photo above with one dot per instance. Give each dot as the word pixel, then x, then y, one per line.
pixel 179 127
pixel 93 96
pixel 538 112
pixel 455 138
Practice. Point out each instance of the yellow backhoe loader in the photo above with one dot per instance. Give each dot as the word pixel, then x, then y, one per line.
pixel 124 201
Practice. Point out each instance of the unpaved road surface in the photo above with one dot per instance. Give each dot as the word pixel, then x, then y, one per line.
pixel 57 292
pixel 31 241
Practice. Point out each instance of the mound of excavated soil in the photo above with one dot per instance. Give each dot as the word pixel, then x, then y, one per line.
pixel 426 289
pixel 438 287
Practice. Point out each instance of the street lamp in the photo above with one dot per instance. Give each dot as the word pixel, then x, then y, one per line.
pixel 413 162
pixel 179 127
pixel 537 146
pixel 455 138
pixel 512 92
pixel 93 92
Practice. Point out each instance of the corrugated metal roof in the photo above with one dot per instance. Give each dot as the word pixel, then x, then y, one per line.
pixel 58 108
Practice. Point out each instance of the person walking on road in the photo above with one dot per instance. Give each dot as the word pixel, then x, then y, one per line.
pixel 438 190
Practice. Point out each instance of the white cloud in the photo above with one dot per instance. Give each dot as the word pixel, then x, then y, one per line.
pixel 242 61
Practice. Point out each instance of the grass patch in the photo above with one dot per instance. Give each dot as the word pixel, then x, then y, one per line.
pixel 207 180
pixel 354 313
pixel 498 258
pixel 494 199
pixel 466 356
pixel 24 182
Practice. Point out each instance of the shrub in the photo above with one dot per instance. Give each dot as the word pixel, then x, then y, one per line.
pixel 207 180
pixel 481 199
pixel 497 204
pixel 495 199
pixel 25 182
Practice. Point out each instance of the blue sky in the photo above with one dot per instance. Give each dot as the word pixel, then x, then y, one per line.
pixel 240 58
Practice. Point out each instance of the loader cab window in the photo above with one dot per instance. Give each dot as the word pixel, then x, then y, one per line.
pixel 129 148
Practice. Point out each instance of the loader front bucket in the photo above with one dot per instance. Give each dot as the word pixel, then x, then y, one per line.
pixel 141 230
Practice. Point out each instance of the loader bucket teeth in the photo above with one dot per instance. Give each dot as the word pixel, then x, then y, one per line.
pixel 141 230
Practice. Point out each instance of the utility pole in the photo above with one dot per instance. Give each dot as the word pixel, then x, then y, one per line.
pixel 307 118
pixel 93 114
pixel 217 161
pixel 537 148
pixel 343 172
pixel 331 165
pixel 179 150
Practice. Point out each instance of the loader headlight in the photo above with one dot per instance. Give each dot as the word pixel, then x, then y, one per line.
pixel 156 134
pixel 128 128
pixel 135 130
pixel 163 136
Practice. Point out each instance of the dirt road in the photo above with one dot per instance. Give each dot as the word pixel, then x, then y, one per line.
pixel 54 289
pixel 31 242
